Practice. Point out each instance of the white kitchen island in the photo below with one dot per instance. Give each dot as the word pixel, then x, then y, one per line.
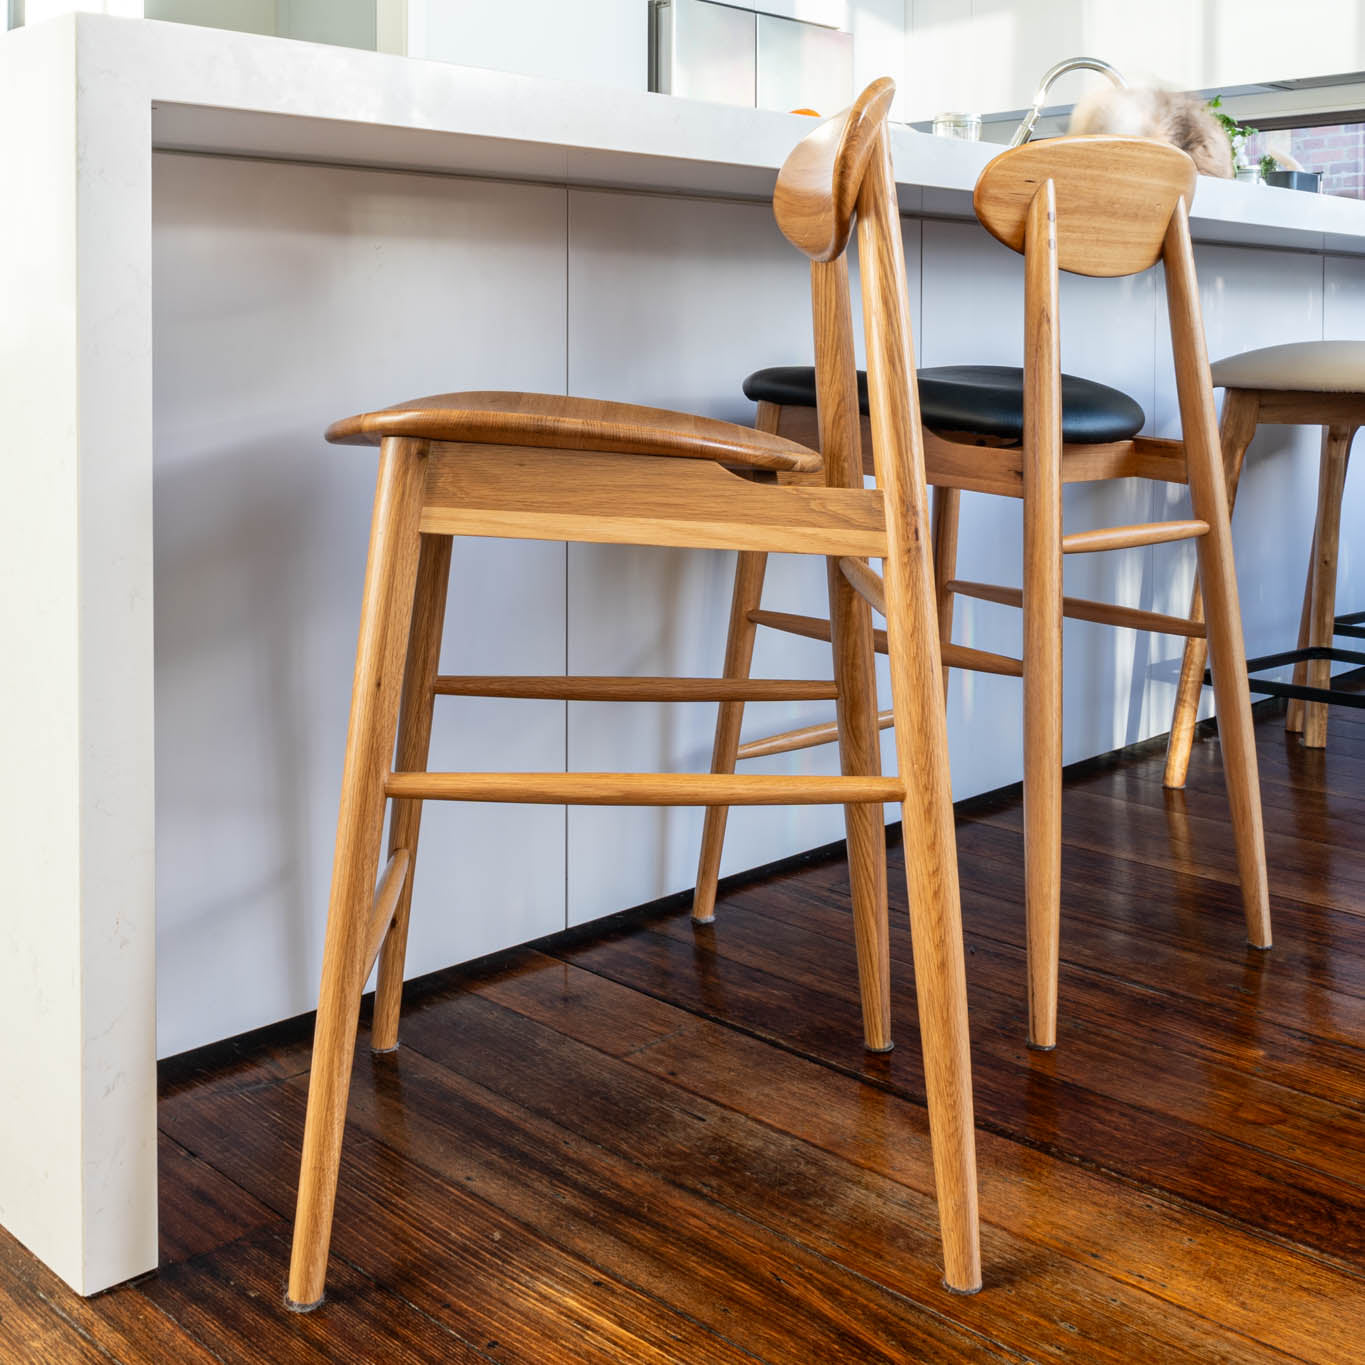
pixel 214 244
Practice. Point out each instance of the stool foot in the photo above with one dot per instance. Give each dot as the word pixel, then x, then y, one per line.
pixel 961 1293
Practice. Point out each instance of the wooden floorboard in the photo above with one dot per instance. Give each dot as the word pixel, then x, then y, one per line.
pixel 1075 1119
pixel 652 1143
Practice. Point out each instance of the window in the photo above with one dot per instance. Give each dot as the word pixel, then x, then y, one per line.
pixel 1337 150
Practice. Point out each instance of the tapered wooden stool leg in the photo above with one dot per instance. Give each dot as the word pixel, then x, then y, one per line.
pixel 860 753
pixel 739 653
pixel 1237 427
pixel 1293 715
pixel 1043 762
pixel 935 914
pixel 1042 602
pixel 1218 578
pixel 414 744
pixel 1336 451
pixel 386 609
pixel 851 639
pixel 947 505
pixel 921 730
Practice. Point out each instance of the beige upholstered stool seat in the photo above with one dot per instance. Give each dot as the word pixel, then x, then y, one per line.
pixel 1300 366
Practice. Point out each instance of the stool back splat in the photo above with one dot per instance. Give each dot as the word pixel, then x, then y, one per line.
pixel 550 467
pixel 1113 199
pixel 1099 206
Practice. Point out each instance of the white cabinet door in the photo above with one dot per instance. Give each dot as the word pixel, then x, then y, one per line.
pixel 802 66
pixel 287 296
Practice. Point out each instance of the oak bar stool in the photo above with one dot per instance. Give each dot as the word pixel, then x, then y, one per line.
pixel 1100 206
pixel 1311 383
pixel 554 468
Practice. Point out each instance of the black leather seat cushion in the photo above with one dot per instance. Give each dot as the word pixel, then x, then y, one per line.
pixel 985 399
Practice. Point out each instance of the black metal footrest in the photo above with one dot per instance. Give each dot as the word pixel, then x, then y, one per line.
pixel 1352 625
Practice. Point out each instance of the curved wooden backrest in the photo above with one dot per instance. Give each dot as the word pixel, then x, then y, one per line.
pixel 817 188
pixel 1115 197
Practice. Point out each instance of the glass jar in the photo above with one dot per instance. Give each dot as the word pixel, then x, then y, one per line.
pixel 964 127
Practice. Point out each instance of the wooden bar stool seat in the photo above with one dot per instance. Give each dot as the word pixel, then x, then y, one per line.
pixel 987 400
pixel 1093 206
pixel 554 468
pixel 555 422
pixel 1314 383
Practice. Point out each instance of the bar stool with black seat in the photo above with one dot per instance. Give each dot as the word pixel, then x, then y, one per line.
pixel 1120 206
pixel 1316 383
pixel 555 468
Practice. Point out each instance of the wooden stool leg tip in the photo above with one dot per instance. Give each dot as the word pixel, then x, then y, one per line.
pixel 384 1051
pixel 966 1292
pixel 294 1307
pixel 700 920
pixel 1040 1047
pixel 1260 947
pixel 885 1047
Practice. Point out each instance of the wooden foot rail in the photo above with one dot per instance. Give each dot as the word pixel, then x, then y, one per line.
pixel 1125 537
pixel 980 661
pixel 385 902
pixel 1083 609
pixel 559 688
pixel 817 628
pixel 644 789
pixel 811 627
pixel 866 582
pixel 808 738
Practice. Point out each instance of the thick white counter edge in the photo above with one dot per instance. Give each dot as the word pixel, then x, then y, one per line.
pixel 83 100
pixel 244 94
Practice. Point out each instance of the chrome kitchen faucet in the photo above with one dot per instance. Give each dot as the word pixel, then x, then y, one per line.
pixel 1025 129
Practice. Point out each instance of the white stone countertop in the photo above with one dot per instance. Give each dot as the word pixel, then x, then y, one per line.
pixel 240 94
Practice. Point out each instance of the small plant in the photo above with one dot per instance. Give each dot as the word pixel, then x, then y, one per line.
pixel 1238 133
pixel 1268 165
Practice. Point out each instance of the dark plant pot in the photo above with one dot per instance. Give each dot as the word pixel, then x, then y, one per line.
pixel 1296 180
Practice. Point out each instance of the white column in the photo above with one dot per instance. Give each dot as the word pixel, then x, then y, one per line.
pixel 77 932
pixel 36 11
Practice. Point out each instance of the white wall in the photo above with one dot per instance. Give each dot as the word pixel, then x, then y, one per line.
pixel 605 42
pixel 35 11
pixel 597 42
pixel 347 23
pixel 600 42
pixel 879 45
pixel 978 55
pixel 246 16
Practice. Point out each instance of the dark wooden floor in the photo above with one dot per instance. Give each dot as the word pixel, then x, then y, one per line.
pixel 661 1145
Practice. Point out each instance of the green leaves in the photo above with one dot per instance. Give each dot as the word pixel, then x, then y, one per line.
pixel 1237 132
